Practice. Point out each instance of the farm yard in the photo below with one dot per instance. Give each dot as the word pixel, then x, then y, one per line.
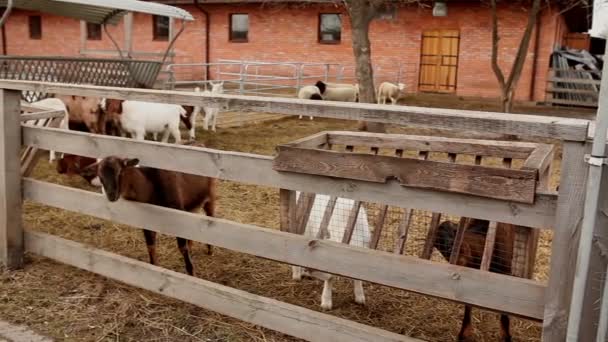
pixel 428 191
pixel 68 304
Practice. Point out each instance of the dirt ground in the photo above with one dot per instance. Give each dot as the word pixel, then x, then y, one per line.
pixel 72 305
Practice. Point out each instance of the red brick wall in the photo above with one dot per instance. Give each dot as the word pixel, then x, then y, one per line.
pixel 289 33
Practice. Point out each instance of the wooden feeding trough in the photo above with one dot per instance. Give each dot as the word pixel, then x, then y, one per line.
pixel 314 155
pixel 411 160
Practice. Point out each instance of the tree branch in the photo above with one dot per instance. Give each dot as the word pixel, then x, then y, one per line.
pixel 495 38
pixel 522 51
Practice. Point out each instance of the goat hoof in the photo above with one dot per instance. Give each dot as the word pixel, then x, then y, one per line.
pixel 326 306
pixel 360 300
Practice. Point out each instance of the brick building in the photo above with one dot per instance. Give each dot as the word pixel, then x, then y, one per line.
pixel 447 54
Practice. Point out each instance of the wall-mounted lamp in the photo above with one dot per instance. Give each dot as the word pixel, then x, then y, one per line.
pixel 440 9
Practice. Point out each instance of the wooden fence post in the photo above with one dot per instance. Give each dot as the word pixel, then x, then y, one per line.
pixel 287 199
pixel 11 232
pixel 565 240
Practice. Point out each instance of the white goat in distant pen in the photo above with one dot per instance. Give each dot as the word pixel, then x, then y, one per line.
pixel 349 93
pixel 50 104
pixel 309 92
pixel 211 112
pixel 337 226
pixel 390 91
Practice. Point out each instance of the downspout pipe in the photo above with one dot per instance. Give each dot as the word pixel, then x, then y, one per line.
pixel 594 176
pixel 207 27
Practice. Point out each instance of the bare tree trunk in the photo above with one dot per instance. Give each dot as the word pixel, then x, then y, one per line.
pixel 508 86
pixel 361 14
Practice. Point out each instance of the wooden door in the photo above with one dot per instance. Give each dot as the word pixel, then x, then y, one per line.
pixel 439 61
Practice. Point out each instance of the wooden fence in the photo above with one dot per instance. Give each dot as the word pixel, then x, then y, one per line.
pixel 522 297
pixel 571 87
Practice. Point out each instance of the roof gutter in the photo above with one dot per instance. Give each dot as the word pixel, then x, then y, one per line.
pixel 207 26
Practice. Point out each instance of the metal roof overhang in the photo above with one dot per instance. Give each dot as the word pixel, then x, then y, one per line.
pixel 99 11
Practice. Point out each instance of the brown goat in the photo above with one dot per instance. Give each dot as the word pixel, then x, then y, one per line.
pixel 123 178
pixel 471 254
pixel 72 164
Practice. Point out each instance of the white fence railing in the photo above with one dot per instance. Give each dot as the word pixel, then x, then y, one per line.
pixel 278 78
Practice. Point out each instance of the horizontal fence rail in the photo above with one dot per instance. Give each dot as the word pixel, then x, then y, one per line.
pixel 514 295
pixel 266 312
pixel 517 124
pixel 230 166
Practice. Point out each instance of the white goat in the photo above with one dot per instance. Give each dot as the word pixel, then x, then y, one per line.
pixel 50 104
pixel 211 112
pixel 388 90
pixel 309 92
pixel 346 94
pixel 335 230
pixel 138 118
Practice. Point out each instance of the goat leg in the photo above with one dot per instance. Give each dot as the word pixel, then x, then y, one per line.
pixel 466 331
pixel 505 334
pixel 182 244
pixel 150 237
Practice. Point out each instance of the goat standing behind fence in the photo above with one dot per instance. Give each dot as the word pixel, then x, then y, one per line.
pixel 471 254
pixel 176 190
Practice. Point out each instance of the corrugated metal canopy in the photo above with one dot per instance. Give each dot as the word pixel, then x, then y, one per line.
pixel 99 11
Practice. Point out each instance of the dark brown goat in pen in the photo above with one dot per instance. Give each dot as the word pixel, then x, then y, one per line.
pixel 471 254
pixel 123 178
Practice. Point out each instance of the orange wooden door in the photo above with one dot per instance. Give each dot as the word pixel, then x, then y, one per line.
pixel 439 61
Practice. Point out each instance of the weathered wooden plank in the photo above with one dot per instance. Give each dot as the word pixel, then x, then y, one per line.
pixel 565 241
pixel 287 199
pixel 303 209
pixel 517 150
pixel 350 223
pixel 402 231
pixel 378 226
pixel 540 159
pixel 462 226
pixel 32 155
pixel 230 165
pixel 266 312
pixel 485 181
pixel 574 80
pixel 518 124
pixel 488 248
pixel 429 242
pixel 404 225
pixel 592 104
pixel 327 214
pixel 11 230
pixel 42 115
pixel 593 93
pixel 312 141
pixel 493 291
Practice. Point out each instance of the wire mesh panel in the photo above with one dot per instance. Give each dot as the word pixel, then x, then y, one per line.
pixel 101 72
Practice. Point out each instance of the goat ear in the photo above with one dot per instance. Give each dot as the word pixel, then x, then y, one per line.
pixel 130 162
pixel 89 171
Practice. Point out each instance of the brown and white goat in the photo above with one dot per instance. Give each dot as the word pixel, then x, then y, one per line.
pixel 138 118
pixel 123 178
pixel 471 254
